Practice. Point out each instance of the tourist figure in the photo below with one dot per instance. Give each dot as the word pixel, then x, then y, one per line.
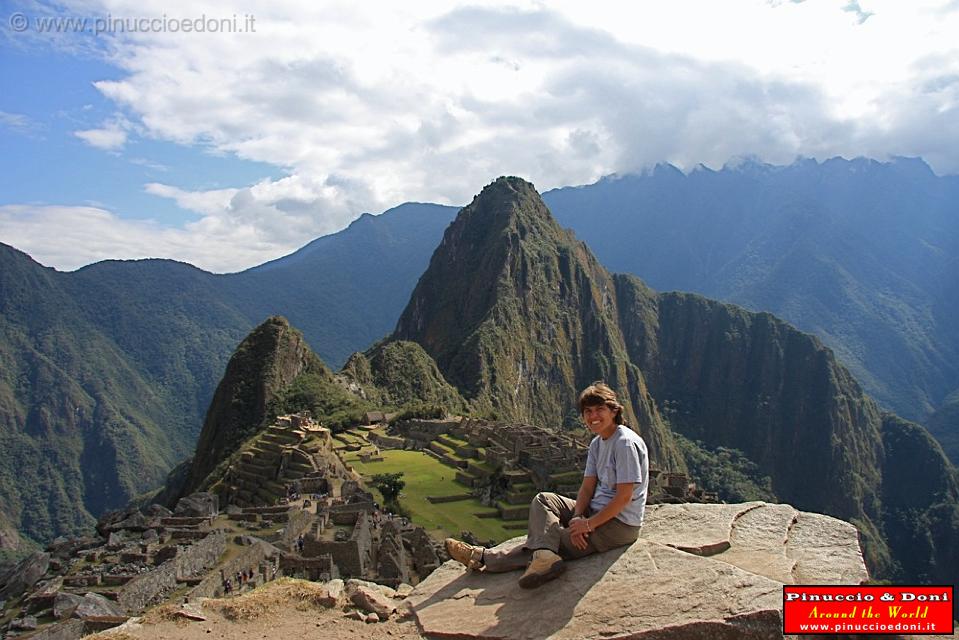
pixel 607 513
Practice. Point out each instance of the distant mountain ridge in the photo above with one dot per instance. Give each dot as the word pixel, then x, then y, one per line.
pixel 138 346
pixel 107 371
pixel 858 252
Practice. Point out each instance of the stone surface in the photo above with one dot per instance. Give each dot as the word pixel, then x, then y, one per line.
pixel 26 623
pixel 353 583
pixel 136 521
pixel 110 518
pixel 93 604
pixel 198 505
pixel 709 571
pixel 26 574
pixel 158 511
pixel 635 592
pixel 115 541
pixel 64 547
pixel 824 549
pixel 371 598
pixel 45 593
pixel 703 532
pixel 773 540
pixel 335 593
pixel 65 604
pixel 192 612
pixel 65 630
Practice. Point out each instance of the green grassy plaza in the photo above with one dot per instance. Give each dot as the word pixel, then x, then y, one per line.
pixel 427 476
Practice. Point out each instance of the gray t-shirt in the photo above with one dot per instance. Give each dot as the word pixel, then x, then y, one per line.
pixel 619 459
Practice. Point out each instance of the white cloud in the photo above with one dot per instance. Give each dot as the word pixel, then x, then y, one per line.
pixel 111 137
pixel 234 229
pixel 17 122
pixel 368 105
pixel 69 237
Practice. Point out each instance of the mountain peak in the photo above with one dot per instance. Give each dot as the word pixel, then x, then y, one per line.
pixel 507 202
pixel 266 361
pixel 472 269
pixel 519 316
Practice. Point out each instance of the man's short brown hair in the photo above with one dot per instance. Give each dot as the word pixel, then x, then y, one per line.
pixel 600 393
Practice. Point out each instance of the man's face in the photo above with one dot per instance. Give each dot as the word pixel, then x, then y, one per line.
pixel 599 419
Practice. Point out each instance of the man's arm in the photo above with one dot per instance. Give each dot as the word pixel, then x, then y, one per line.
pixel 581 527
pixel 583 497
pixel 624 494
pixel 586 491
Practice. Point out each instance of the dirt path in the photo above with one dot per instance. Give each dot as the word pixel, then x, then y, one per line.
pixel 327 624
pixel 281 610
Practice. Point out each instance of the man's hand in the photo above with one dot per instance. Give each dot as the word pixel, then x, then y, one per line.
pixel 579 532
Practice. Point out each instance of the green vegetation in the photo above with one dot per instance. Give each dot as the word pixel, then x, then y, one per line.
pixel 427 476
pixel 944 426
pixel 726 471
pixel 389 485
pixel 326 400
pixel 402 375
pixel 422 410
pixel 106 372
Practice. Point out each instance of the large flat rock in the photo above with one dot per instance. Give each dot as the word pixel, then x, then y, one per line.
pixel 773 540
pixel 697 571
pixel 640 592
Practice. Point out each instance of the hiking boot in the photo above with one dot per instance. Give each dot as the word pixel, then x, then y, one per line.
pixel 468 555
pixel 544 566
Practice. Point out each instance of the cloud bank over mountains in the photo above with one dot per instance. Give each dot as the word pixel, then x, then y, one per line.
pixel 364 106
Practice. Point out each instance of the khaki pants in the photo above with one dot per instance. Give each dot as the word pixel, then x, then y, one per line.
pixel 549 514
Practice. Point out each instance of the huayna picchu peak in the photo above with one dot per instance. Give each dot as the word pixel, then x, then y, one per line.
pixel 519 315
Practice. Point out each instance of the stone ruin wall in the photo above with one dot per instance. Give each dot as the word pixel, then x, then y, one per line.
pixel 392 559
pixel 259 555
pixel 320 569
pixel 351 556
pixel 299 522
pixel 189 561
pixel 425 558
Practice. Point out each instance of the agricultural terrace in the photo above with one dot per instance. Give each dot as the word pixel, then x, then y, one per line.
pixel 427 476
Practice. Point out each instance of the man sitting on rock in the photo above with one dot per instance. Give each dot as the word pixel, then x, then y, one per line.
pixel 607 513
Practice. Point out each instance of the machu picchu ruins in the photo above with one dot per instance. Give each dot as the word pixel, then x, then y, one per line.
pixel 291 502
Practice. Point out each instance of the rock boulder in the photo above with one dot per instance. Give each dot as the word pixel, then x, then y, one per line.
pixel 198 505
pixel 26 574
pixel 697 571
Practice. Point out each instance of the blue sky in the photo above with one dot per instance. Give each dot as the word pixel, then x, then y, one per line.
pixel 228 149
pixel 46 163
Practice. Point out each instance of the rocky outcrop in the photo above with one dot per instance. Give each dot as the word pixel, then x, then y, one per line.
pixel 266 362
pixel 24 575
pixel 697 571
pixel 520 316
pixel 400 373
